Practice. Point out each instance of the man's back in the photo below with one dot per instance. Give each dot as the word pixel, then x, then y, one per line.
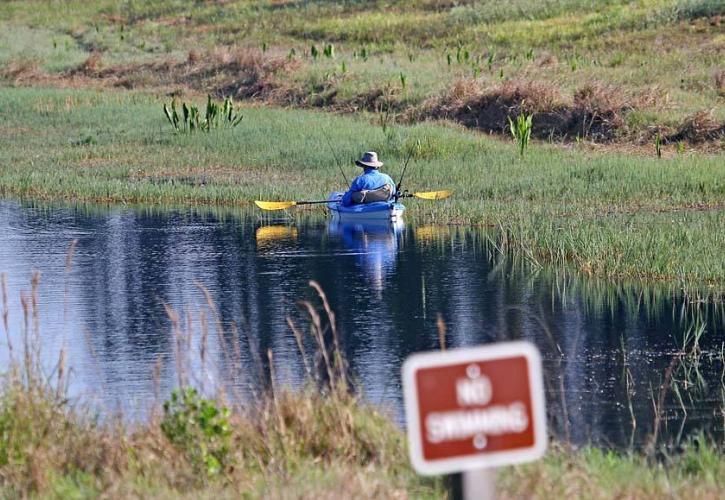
pixel 370 180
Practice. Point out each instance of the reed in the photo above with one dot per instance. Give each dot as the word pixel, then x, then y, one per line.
pixel 521 131
pixel 317 439
pixel 202 442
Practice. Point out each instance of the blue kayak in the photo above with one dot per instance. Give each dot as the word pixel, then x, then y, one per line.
pixel 378 210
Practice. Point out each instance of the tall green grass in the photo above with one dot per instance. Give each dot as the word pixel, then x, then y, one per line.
pixel 607 214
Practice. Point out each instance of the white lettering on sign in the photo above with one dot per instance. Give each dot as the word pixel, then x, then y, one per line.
pixel 473 391
pixel 474 408
pixel 463 424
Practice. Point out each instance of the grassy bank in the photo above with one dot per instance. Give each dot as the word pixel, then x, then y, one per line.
pixel 617 72
pixel 283 449
pixel 320 441
pixel 607 214
pixel 317 441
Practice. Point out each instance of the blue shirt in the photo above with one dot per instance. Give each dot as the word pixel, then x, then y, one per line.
pixel 371 179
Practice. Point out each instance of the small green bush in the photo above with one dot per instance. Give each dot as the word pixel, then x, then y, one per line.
pixel 216 115
pixel 521 130
pixel 199 428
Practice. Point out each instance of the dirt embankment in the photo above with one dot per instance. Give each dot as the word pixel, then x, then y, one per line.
pixel 596 112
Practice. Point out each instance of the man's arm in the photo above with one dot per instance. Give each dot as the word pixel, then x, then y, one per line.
pixel 354 187
pixel 391 183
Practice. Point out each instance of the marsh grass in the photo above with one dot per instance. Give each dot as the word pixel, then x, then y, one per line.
pixel 595 473
pixel 271 444
pixel 609 215
pixel 319 441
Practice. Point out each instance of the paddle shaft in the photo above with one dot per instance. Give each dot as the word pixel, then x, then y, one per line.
pixel 404 195
pixel 317 202
pixel 281 205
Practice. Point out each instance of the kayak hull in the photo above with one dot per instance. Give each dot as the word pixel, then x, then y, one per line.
pixel 377 211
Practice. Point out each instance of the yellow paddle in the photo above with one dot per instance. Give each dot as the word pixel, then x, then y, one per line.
pixel 281 205
pixel 432 195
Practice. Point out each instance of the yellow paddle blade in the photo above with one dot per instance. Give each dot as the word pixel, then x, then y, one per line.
pixel 273 233
pixel 430 233
pixel 275 205
pixel 433 195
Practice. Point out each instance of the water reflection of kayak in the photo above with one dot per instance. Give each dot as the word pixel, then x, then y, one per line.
pixel 374 242
pixel 376 211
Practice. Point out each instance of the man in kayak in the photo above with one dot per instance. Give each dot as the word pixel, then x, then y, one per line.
pixel 372 185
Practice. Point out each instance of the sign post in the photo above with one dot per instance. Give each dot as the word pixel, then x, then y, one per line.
pixel 470 410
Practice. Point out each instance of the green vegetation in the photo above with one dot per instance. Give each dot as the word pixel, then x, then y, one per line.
pixel 215 115
pixel 607 214
pixel 593 473
pixel 521 131
pixel 290 443
pixel 596 83
pixel 658 63
pixel 342 445
pixel 200 429
pixel 279 442
pixel 274 442
pixel 609 73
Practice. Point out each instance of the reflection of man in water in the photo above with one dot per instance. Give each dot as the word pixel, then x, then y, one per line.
pixel 377 245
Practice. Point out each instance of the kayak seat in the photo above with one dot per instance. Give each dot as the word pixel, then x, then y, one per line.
pixel 383 193
pixel 371 210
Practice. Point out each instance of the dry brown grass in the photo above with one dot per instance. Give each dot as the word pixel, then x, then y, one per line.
pixel 277 438
pixel 92 65
pixel 284 434
pixel 194 57
pixel 599 110
pixel 488 109
pixel 719 80
pixel 20 72
pixel 222 71
pixel 596 111
pixel 698 128
pixel 320 442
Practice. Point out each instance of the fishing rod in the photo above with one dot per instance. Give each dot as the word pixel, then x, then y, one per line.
pixel 339 165
pixel 405 167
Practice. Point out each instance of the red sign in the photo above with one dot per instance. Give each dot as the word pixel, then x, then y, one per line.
pixel 474 408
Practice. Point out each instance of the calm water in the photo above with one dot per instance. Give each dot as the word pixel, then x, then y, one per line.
pixel 606 349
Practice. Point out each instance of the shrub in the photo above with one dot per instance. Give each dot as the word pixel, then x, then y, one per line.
pixel 200 429
pixel 521 130
pixel 216 114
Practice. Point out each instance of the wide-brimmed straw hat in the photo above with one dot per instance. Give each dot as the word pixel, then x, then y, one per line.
pixel 369 159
